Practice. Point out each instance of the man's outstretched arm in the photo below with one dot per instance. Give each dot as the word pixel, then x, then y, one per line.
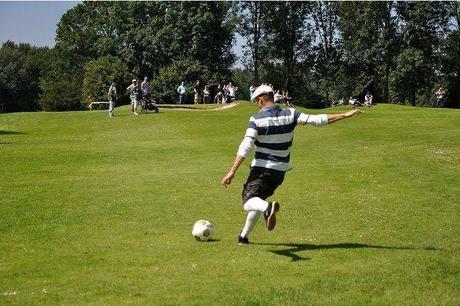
pixel 336 117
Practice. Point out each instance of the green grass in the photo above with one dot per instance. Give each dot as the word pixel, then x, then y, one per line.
pixel 99 211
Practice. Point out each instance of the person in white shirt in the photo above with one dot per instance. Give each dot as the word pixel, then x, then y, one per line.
pixel 145 87
pixel 135 95
pixel 440 95
pixel 231 91
pixel 368 99
pixel 182 91
pixel 251 90
pixel 112 95
pixel 278 97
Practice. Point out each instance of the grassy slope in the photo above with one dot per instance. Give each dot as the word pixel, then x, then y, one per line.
pixel 99 211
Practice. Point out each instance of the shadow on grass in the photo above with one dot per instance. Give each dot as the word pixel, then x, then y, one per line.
pixel 213 240
pixel 293 248
pixel 11 133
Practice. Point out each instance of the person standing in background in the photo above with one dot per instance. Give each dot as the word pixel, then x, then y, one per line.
pixel 198 92
pixel 134 93
pixel 182 91
pixel 440 96
pixel 145 87
pixel 112 96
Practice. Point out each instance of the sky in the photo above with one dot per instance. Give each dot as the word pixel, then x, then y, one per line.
pixel 35 22
pixel 30 21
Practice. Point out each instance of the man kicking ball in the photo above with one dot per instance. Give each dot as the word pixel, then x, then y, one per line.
pixel 272 131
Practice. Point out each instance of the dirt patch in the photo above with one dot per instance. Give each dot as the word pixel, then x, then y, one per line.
pixel 191 108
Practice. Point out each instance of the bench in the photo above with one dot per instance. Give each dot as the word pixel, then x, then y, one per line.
pixel 92 105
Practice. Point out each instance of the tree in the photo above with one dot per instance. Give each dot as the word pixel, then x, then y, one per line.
pixel 449 59
pixel 21 67
pixel 147 36
pixel 168 79
pixel 250 27
pixel 102 72
pixel 407 77
pixel 326 62
pixel 422 26
pixel 289 38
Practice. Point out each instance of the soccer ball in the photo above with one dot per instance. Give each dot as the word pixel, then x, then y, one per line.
pixel 202 230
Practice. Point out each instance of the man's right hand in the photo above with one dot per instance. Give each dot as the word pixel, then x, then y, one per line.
pixel 227 179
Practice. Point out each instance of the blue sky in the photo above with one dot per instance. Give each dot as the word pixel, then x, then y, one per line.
pixel 31 22
pixel 35 22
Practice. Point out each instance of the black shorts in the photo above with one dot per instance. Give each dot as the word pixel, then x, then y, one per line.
pixel 262 183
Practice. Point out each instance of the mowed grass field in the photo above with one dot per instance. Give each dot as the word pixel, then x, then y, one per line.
pixel 99 211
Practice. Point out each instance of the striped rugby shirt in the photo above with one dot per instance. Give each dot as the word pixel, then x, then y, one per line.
pixel 272 132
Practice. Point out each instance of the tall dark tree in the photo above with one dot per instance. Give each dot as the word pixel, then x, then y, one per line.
pixel 289 39
pixel 250 27
pixel 327 53
pixel 21 67
pixel 449 56
pixel 422 26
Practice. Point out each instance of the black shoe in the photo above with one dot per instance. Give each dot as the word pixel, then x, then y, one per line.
pixel 270 215
pixel 243 240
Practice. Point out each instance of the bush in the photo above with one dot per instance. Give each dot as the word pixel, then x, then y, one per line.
pixel 164 86
pixel 61 94
pixel 100 73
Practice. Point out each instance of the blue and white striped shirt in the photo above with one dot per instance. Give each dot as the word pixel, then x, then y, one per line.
pixel 272 131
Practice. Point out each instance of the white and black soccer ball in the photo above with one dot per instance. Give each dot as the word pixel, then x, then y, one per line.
pixel 202 230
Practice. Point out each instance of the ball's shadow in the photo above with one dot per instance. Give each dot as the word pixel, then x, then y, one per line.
pixel 212 240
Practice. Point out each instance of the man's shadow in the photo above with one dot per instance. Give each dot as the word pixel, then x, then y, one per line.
pixel 293 248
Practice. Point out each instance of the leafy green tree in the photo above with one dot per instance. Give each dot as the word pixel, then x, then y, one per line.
pixel 165 84
pixel 407 77
pixel 148 37
pixel 422 27
pixel 370 43
pixel 61 85
pixel 102 72
pixel 326 62
pixel 289 39
pixel 250 26
pixel 449 73
pixel 21 67
pixel 61 94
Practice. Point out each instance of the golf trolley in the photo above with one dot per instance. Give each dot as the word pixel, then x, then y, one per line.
pixel 148 104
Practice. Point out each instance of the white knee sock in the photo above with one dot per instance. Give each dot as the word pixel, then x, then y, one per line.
pixel 255 204
pixel 251 220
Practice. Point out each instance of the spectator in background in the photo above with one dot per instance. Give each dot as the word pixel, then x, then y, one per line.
pixel 134 94
pixel 354 102
pixel 440 96
pixel 182 91
pixel 338 103
pixel 145 88
pixel 288 99
pixel 206 95
pixel 112 96
pixel 219 95
pixel 231 92
pixel 198 92
pixel 368 99
pixel 252 89
pixel 278 97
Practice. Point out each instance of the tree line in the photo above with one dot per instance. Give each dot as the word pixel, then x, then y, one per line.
pixel 320 51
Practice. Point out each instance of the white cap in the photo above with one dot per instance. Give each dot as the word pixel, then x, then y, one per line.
pixel 134 80
pixel 261 90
